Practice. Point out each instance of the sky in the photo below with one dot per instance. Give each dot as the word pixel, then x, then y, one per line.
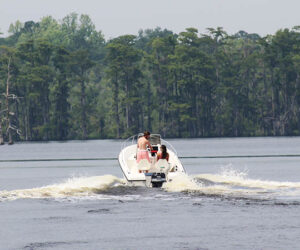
pixel 120 17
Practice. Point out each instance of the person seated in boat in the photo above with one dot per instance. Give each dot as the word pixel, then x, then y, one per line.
pixel 163 154
pixel 142 144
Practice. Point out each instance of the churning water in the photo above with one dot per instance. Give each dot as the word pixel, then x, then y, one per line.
pixel 241 193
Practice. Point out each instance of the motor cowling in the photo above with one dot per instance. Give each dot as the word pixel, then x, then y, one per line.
pixel 157 179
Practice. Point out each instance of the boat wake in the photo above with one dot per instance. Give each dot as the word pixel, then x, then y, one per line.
pixel 73 187
pixel 235 184
pixel 228 183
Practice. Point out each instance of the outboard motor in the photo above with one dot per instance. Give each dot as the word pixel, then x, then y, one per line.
pixel 155 179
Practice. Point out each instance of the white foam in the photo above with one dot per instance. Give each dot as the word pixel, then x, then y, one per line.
pixel 231 182
pixel 185 183
pixel 234 177
pixel 81 186
pixel 181 182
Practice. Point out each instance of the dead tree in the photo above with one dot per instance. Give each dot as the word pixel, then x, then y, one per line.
pixel 8 114
pixel 8 121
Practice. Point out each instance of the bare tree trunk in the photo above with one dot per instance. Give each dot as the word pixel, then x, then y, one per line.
pixel 275 106
pixel 178 110
pixel 1 135
pixel 83 110
pixel 1 132
pixel 116 104
pixel 10 141
pixel 148 107
pixel 127 104
pixel 28 134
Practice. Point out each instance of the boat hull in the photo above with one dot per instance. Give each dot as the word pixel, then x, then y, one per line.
pixel 152 178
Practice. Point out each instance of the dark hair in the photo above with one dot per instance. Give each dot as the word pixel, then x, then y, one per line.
pixel 146 133
pixel 164 151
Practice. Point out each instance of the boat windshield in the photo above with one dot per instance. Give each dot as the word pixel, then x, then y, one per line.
pixel 155 139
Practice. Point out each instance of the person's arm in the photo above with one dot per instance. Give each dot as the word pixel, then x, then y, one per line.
pixel 148 143
pixel 167 158
pixel 157 156
pixel 137 148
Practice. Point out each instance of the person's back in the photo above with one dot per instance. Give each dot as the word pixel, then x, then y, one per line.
pixel 142 144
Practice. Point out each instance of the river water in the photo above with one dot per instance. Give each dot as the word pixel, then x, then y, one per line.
pixel 240 193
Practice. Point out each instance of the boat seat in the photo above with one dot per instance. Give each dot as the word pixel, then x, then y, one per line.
pixel 162 165
pixel 131 163
pixel 134 168
pixel 144 165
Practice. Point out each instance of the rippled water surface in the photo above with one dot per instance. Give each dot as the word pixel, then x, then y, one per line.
pixel 241 193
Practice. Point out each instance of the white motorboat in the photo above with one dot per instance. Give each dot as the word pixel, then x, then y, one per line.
pixel 151 174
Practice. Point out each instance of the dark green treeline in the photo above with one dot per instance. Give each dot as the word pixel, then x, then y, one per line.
pixel 63 80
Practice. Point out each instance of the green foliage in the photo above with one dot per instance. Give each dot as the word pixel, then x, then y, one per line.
pixel 75 85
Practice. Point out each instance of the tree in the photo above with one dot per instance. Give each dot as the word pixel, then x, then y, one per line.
pixel 60 93
pixel 124 73
pixel 159 60
pixel 8 69
pixel 80 65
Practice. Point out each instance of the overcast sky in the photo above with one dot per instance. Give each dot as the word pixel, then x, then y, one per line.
pixel 119 17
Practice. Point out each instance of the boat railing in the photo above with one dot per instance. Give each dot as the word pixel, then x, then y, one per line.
pixel 129 141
